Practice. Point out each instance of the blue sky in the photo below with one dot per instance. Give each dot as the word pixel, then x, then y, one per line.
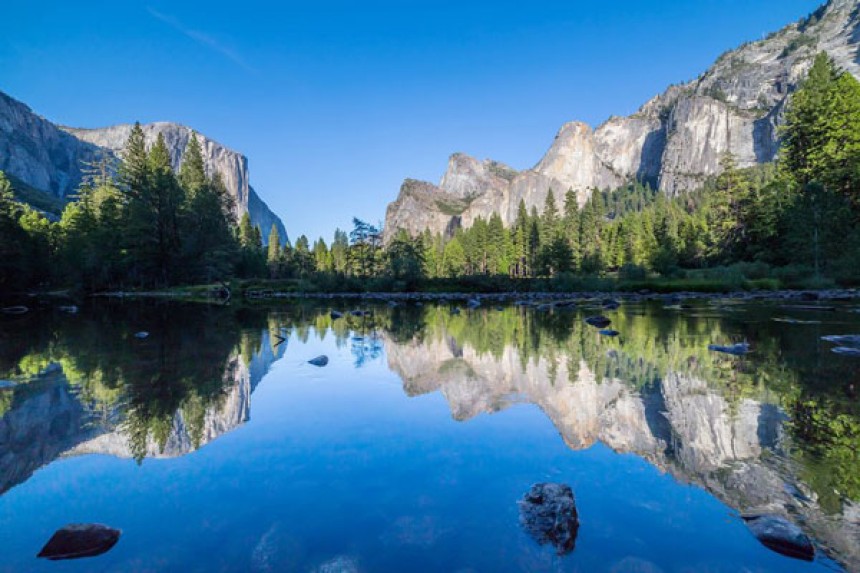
pixel 335 103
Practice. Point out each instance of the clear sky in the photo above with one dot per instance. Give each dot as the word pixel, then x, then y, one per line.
pixel 336 102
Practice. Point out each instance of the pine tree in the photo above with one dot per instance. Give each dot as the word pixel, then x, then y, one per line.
pixel 192 173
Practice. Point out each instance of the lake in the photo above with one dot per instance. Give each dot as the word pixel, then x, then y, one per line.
pixel 214 445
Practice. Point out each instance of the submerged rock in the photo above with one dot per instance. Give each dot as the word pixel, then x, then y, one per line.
pixel 738 349
pixel 548 514
pixel 781 535
pixel 320 360
pixel 141 335
pixel 80 540
pixel 598 321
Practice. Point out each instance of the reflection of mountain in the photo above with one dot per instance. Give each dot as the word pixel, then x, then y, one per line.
pixel 680 424
pixel 49 419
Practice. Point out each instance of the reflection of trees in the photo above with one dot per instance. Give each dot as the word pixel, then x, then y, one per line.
pixel 785 368
pixel 182 368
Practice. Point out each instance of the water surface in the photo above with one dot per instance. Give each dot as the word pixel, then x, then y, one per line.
pixel 214 446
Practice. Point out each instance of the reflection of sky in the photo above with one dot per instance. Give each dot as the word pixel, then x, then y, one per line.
pixel 337 463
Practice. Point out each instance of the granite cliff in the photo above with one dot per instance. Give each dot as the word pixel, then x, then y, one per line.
pixel 49 157
pixel 673 142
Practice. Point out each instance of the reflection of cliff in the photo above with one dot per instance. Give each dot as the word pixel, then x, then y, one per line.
pixel 227 412
pixel 45 420
pixel 48 420
pixel 680 424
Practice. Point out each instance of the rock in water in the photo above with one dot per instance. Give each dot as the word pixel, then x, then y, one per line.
pixel 782 536
pixel 611 304
pixel 738 349
pixel 609 332
pixel 321 360
pixel 141 335
pixel 335 315
pixel 598 321
pixel 548 514
pixel 80 540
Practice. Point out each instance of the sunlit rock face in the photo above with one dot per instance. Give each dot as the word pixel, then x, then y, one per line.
pixel 51 158
pixel 674 141
pixel 681 424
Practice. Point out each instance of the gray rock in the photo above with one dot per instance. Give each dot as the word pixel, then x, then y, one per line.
pixel 80 540
pixel 782 536
pixel 548 513
pixel 320 361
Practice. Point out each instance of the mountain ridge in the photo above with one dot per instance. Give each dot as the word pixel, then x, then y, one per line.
pixel 49 157
pixel 674 141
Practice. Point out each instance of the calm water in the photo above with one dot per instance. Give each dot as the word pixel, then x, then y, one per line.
pixel 214 446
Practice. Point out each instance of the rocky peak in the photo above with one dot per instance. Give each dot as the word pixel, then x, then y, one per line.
pixel 466 177
pixel 675 140
pixel 49 157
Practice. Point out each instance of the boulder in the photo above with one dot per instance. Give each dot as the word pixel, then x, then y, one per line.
pixel 548 513
pixel 781 535
pixel 80 540
pixel 320 360
pixel 598 321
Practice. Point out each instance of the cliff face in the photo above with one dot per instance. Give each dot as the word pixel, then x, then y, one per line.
pixel 50 157
pixel 673 142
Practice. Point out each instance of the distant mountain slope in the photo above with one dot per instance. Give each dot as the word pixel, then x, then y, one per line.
pixel 47 157
pixel 673 142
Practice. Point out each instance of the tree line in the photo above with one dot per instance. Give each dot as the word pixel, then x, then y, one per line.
pixel 139 224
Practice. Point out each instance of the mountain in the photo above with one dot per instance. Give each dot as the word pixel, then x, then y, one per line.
pixel 673 142
pixel 47 157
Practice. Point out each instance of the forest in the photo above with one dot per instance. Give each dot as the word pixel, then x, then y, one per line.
pixel 792 224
